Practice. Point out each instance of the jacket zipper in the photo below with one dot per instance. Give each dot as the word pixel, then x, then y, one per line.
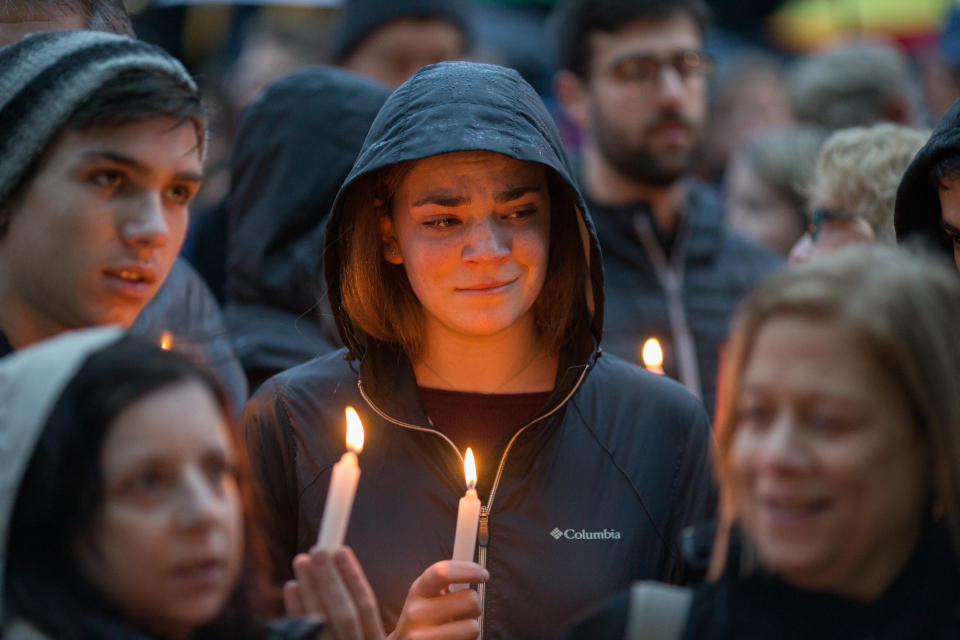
pixel 671 277
pixel 483 532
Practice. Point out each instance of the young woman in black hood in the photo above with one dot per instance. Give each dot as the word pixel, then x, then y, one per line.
pixel 466 282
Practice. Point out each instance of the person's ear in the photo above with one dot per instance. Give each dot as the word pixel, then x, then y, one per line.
pixel 388 241
pixel 572 93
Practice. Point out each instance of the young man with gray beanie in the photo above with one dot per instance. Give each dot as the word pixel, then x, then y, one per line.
pixel 183 305
pixel 101 140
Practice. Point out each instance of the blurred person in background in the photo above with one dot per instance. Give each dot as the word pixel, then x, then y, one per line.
pixel 389 41
pixel 766 184
pixel 854 188
pixel 747 96
pixel 183 305
pixel 939 66
pixel 838 457
pixel 928 200
pixel 155 534
pixel 271 42
pixel 856 84
pixel 20 17
pixel 295 145
pixel 632 76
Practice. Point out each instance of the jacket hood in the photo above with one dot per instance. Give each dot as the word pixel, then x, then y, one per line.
pixel 295 144
pixel 31 381
pixel 462 106
pixel 917 212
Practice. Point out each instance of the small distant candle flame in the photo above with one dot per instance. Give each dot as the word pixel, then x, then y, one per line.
pixel 470 469
pixel 652 354
pixel 354 431
pixel 166 341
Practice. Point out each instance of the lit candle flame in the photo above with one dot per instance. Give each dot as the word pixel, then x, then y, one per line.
pixel 652 354
pixel 354 431
pixel 470 469
pixel 166 341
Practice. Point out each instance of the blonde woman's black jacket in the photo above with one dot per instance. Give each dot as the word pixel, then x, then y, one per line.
pixel 922 603
pixel 588 496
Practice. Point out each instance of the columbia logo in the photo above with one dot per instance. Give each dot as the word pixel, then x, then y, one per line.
pixel 583 534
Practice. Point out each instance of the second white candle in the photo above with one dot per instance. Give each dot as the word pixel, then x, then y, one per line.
pixel 468 517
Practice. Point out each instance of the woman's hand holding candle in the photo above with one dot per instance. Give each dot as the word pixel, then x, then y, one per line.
pixel 343 486
pixel 332 588
pixel 431 606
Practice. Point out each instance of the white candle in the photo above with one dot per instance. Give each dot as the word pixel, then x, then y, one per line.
pixel 468 516
pixel 343 486
pixel 652 356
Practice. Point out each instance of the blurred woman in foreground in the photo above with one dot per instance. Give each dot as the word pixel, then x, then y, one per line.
pixel 839 460
pixel 122 503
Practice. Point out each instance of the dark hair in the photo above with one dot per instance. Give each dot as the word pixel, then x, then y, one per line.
pixel 946 167
pixel 140 94
pixel 98 15
pixel 574 21
pixel 377 296
pixel 131 96
pixel 43 582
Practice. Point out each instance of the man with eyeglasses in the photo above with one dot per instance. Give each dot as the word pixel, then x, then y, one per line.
pixel 633 78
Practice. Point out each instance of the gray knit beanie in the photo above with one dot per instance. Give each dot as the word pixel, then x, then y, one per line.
pixel 45 77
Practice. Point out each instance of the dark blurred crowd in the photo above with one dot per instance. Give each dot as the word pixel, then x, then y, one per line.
pixel 680 276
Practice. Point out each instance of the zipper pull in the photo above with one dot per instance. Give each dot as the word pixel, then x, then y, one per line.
pixel 484 534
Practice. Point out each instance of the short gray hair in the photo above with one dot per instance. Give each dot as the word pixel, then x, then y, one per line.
pixel 851 85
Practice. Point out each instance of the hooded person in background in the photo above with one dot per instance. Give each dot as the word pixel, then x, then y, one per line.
pixel 927 208
pixel 466 282
pixel 109 89
pixel 294 147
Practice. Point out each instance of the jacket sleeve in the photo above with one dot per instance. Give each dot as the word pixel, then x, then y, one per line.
pixel 267 431
pixel 694 490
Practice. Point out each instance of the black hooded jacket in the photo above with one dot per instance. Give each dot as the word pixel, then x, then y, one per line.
pixel 917 214
pixel 589 495
pixel 294 147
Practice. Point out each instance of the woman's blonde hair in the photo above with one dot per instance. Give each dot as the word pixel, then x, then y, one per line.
pixel 905 310
pixel 859 170
pixel 379 301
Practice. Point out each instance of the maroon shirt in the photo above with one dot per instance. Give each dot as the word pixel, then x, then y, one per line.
pixel 481 421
